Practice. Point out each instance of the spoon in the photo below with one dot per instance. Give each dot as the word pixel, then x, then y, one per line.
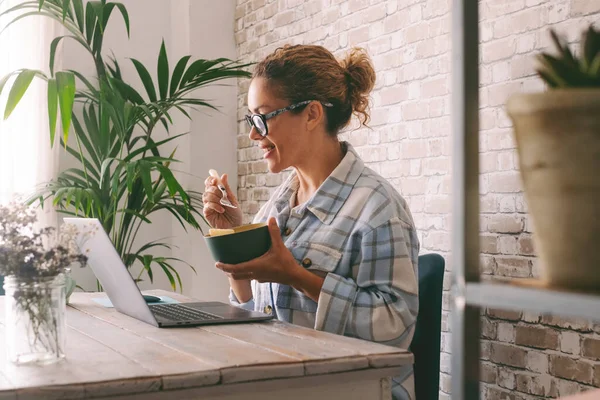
pixel 224 200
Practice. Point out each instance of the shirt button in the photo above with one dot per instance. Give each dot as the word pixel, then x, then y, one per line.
pixel 307 262
pixel 268 309
pixel 287 231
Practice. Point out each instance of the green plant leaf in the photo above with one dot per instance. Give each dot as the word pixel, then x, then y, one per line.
pixel 182 110
pixel 85 81
pixel 131 175
pixel 166 269
pixel 163 71
pixel 146 79
pixel 79 14
pixel 144 169
pixel 99 13
pixel 106 12
pixel 125 15
pixel 590 46
pixel 65 82
pixel 52 108
pixel 18 89
pixel 88 165
pixel 127 91
pixel 65 8
pixel 147 262
pixel 53 47
pixel 594 70
pixel 91 19
pixel 149 146
pixel 105 170
pixel 194 69
pixel 177 74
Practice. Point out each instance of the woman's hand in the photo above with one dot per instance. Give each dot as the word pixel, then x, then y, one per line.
pixel 219 216
pixel 276 265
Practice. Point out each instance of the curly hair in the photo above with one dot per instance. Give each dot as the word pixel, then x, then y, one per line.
pixel 308 72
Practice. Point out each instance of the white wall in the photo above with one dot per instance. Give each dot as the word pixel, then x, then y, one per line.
pixel 204 29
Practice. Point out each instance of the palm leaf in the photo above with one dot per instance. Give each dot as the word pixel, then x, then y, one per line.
pixel 178 74
pixel 146 79
pixel 163 71
pixel 79 14
pixel 52 108
pixel 65 83
pixel 18 89
pixel 125 15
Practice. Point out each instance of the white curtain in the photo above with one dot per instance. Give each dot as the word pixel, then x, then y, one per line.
pixel 26 158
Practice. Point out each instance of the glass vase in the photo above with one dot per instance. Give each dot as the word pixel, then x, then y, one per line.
pixel 35 320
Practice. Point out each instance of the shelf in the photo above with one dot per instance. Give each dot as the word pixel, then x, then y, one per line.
pixel 531 295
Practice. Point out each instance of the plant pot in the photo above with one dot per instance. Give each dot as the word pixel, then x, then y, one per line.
pixel 35 320
pixel 558 143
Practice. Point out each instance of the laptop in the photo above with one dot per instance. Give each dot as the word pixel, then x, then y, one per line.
pixel 126 297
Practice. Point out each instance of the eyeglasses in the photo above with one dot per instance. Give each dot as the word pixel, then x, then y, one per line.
pixel 259 121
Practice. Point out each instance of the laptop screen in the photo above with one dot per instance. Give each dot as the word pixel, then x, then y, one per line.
pixel 110 270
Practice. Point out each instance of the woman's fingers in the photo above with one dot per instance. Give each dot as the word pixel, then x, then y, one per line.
pixel 212 188
pixel 211 196
pixel 214 207
pixel 210 182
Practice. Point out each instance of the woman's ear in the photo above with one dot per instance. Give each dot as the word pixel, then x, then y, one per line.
pixel 315 115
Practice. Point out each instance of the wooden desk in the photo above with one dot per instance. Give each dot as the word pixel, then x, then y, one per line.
pixel 113 356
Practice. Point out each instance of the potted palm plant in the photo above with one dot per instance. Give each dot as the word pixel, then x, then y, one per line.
pixel 558 141
pixel 123 173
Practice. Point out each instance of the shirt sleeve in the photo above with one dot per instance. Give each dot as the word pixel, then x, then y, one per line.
pixel 249 305
pixel 382 303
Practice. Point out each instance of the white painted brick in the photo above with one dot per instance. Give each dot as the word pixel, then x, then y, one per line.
pixel 501 71
pixel 506 332
pixel 499 8
pixel 415 167
pixel 537 361
pixel 570 342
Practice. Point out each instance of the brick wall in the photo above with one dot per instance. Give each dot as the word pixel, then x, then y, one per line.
pixel 525 356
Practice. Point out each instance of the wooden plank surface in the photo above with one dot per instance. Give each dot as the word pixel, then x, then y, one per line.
pixel 111 354
pixel 363 384
pixel 220 351
pixel 288 335
pixel 178 367
pixel 87 362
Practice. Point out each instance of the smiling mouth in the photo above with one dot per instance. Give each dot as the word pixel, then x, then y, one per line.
pixel 268 150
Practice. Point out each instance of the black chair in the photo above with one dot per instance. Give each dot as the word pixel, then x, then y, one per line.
pixel 428 331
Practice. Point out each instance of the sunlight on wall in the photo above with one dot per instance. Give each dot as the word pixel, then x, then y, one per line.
pixel 25 156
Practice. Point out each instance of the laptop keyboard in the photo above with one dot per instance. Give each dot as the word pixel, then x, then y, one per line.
pixel 177 312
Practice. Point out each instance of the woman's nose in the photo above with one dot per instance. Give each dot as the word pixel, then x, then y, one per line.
pixel 254 135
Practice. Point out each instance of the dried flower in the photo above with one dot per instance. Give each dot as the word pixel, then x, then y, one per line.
pixel 28 254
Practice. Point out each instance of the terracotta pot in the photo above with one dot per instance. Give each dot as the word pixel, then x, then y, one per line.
pixel 558 142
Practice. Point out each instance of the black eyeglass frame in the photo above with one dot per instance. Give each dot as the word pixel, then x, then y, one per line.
pixel 265 117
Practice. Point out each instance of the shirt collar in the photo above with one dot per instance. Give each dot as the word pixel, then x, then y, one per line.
pixel 333 192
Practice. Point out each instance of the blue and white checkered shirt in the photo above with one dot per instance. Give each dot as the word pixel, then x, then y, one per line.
pixel 358 233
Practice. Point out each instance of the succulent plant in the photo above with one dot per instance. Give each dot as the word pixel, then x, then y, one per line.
pixel 566 69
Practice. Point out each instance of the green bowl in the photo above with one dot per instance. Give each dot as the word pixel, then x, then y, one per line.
pixel 246 243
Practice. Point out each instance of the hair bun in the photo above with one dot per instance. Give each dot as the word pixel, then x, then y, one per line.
pixel 360 76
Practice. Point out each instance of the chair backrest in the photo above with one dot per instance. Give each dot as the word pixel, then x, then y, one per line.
pixel 426 341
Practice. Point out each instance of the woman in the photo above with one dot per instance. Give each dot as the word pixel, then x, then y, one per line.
pixel 344 247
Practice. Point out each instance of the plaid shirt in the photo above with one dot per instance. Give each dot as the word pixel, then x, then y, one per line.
pixel 357 232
